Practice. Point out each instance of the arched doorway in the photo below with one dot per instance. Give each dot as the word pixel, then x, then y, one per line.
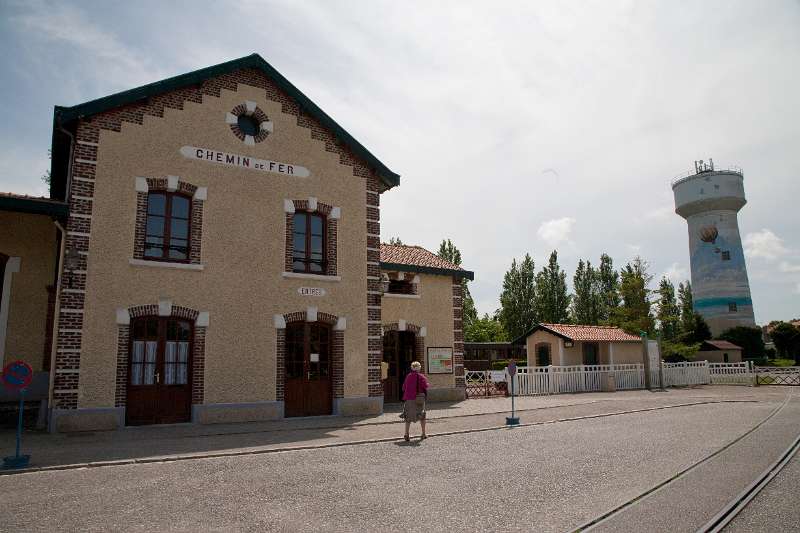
pixel 543 356
pixel 399 349
pixel 159 388
pixel 308 387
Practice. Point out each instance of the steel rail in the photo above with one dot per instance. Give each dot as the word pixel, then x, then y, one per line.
pixel 587 526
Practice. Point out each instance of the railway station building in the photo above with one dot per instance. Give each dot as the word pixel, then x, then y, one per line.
pixel 211 253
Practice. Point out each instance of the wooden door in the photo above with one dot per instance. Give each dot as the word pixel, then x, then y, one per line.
pixel 308 385
pixel 399 348
pixel 159 372
pixel 591 351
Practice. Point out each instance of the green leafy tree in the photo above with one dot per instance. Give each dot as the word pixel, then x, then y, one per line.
pixel 608 279
pixel 552 299
pixel 675 352
pixel 668 314
pixel 517 311
pixel 787 340
pixel 634 315
pixel 686 303
pixel 699 331
pixel 750 339
pixel 485 329
pixel 587 300
pixel 449 252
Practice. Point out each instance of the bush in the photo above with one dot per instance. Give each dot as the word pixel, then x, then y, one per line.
pixel 770 353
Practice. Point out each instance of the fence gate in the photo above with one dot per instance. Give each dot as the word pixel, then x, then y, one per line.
pixel 485 383
pixel 774 375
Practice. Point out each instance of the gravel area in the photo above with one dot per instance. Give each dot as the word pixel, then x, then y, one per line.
pixel 549 477
pixel 775 508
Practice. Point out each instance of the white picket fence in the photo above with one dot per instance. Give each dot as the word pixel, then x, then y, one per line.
pixel 533 381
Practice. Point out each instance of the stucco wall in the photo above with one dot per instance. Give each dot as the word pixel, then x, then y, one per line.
pixel 433 310
pixel 243 239
pixel 32 238
pixel 624 352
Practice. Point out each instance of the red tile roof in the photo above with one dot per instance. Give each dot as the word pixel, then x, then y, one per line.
pixel 578 332
pixel 722 345
pixel 402 254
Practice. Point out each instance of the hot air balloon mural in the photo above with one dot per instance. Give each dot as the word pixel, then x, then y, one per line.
pixel 709 234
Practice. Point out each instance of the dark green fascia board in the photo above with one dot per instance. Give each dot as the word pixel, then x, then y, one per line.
pixel 64 115
pixel 59 210
pixel 534 329
pixel 429 270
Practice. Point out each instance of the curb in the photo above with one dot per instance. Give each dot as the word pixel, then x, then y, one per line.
pixel 284 449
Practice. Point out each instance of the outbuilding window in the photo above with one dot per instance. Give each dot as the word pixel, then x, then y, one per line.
pixel 309 244
pixel 167 228
pixel 401 286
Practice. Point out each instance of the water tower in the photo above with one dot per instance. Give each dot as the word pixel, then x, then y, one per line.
pixel 709 200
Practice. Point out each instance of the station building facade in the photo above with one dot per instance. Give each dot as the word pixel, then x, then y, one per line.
pixel 220 261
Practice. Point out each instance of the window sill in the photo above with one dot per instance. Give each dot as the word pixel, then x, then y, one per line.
pixel 317 277
pixel 166 264
pixel 393 295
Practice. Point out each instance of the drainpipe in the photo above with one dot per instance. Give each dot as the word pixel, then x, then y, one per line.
pixel 56 313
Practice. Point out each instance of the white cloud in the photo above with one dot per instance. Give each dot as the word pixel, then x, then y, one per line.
pixel 556 231
pixel 660 213
pixel 676 273
pixel 789 267
pixel 764 244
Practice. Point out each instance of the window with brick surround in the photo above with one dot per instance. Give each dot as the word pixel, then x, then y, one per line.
pixel 401 286
pixel 309 243
pixel 169 220
pixel 167 227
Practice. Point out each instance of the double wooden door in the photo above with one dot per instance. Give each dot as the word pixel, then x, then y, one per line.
pixel 159 371
pixel 307 366
pixel 398 352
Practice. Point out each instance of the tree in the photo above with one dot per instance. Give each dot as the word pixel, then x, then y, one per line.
pixel 787 340
pixel 748 338
pixel 552 299
pixel 587 301
pixel 669 314
pixel 687 307
pixel 608 280
pixel 518 300
pixel 485 329
pixel 675 352
pixel 449 252
pixel 395 241
pixel 699 331
pixel 634 314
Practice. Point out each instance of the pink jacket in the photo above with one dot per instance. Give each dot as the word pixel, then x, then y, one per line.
pixel 415 383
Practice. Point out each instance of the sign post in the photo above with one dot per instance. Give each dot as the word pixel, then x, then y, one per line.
pixel 512 420
pixel 17 376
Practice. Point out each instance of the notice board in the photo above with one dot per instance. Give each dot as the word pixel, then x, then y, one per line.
pixel 440 360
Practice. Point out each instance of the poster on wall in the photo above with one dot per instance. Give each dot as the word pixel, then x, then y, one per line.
pixel 440 360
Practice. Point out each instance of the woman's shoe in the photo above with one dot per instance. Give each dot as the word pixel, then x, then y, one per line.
pixel 406 438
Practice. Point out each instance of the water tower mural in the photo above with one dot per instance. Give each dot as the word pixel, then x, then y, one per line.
pixel 709 200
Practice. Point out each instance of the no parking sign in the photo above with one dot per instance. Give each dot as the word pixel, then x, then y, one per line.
pixel 16 376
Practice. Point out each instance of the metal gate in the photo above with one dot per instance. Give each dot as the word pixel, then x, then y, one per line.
pixel 485 383
pixel 776 375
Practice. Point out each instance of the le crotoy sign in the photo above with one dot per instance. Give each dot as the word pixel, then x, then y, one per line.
pixel 243 161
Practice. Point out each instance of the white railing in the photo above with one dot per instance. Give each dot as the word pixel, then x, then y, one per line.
pixel 731 373
pixel 683 374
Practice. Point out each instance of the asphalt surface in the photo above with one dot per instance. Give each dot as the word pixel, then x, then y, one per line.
pixel 776 507
pixel 550 477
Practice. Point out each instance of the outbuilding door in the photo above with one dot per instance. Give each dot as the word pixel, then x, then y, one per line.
pixel 307 387
pixel 159 371
pixel 398 352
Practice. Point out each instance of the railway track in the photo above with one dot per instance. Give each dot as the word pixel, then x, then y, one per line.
pixel 734 506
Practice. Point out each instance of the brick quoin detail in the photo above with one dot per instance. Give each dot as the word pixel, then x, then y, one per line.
pixel 458 339
pixel 195 224
pixel 331 230
pixel 196 366
pixel 337 353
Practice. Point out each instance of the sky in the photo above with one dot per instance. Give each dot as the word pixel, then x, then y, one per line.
pixel 517 127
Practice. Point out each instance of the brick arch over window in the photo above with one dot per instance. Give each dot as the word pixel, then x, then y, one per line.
pixel 337 352
pixel 175 185
pixel 419 341
pixel 331 215
pixel 123 348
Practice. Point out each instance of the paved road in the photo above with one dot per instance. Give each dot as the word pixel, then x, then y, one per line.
pixel 776 507
pixel 557 476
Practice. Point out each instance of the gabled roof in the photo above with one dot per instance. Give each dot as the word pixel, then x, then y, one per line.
pixel 64 115
pixel 404 258
pixel 579 332
pixel 714 344
pixel 36 205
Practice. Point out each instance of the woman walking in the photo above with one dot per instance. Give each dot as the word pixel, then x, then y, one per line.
pixel 415 392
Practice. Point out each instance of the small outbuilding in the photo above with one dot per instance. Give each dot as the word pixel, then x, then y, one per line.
pixel 575 344
pixel 718 351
